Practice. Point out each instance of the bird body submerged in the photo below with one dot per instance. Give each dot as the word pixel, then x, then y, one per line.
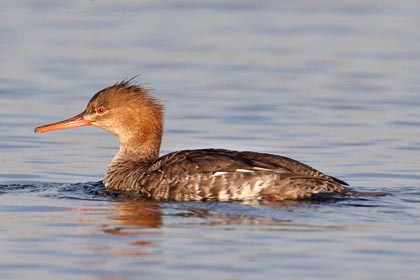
pixel 136 118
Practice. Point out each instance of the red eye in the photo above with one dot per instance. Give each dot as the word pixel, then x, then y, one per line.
pixel 100 110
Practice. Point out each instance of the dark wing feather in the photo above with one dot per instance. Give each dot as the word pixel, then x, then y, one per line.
pixel 199 161
pixel 285 163
pixel 220 160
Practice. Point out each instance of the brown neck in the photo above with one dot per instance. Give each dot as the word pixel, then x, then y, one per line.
pixel 142 148
pixel 140 140
pixel 134 157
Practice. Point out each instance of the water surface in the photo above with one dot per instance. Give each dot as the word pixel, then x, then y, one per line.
pixel 334 85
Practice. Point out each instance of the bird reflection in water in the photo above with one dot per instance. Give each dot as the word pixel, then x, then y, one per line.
pixel 134 219
pixel 139 221
pixel 130 216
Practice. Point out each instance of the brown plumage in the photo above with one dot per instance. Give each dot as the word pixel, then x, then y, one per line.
pixel 136 118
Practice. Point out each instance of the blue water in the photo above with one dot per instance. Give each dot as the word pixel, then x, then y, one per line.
pixel 332 84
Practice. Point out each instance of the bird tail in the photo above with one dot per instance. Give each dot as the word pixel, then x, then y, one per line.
pixel 350 192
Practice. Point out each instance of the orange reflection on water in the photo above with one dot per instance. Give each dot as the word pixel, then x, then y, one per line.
pixel 129 218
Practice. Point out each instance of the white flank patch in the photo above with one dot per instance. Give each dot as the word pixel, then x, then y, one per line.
pixel 223 195
pixel 244 170
pixel 259 186
pixel 218 173
pixel 262 169
pixel 246 192
pixel 250 192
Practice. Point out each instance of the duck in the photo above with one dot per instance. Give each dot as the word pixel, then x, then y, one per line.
pixel 131 113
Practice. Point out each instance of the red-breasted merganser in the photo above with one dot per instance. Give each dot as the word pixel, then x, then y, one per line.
pixel 136 118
